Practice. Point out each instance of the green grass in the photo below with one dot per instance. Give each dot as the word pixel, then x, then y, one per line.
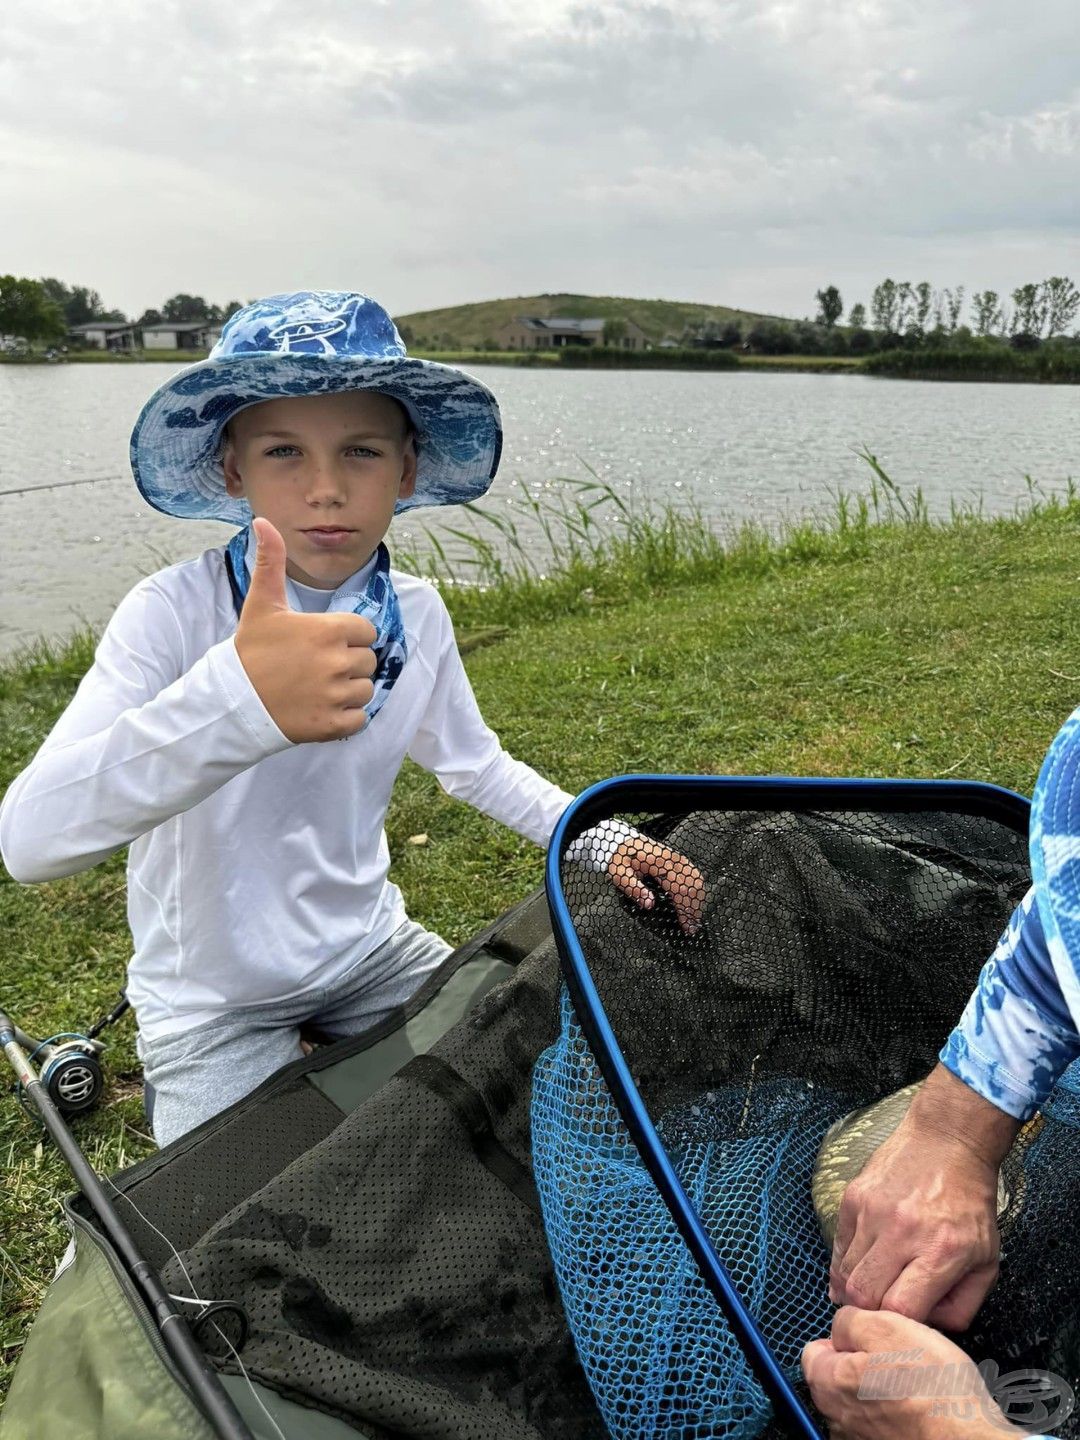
pixel 837 364
pixel 877 644
pixel 527 358
pixel 105 357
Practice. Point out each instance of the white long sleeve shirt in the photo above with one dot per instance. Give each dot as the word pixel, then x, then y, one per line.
pixel 257 868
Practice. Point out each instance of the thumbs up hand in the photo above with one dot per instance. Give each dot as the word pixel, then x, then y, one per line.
pixel 312 672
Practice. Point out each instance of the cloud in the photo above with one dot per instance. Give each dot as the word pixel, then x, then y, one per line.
pixel 743 151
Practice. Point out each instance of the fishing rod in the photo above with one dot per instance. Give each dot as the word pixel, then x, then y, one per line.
pixel 204 1383
pixel 59 485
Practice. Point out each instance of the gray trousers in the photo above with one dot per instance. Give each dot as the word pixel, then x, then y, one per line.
pixel 200 1072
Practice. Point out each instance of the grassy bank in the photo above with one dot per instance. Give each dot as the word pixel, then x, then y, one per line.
pixel 878 644
pixel 1048 366
pixel 825 364
pixel 103 357
pixel 1051 364
pixel 574 357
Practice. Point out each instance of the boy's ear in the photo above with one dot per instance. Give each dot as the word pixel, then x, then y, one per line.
pixel 234 483
pixel 408 470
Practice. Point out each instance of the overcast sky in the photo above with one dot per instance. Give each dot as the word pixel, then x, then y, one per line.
pixel 431 152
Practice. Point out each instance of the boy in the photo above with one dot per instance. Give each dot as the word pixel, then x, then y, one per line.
pixel 257 877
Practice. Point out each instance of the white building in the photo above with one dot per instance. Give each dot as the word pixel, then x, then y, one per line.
pixel 180 335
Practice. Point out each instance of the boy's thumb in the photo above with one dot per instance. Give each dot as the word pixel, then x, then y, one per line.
pixel 267 588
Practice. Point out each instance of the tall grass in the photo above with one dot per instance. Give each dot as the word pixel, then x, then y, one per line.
pixel 1052 364
pixel 585 544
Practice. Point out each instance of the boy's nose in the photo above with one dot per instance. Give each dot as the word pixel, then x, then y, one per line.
pixel 325 486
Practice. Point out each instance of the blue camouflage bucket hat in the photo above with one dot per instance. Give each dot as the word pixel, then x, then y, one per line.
pixel 1055 857
pixel 313 342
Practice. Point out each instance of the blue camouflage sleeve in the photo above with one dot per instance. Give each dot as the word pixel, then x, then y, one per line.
pixel 1016 1035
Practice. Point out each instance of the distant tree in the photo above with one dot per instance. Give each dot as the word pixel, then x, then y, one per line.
pixel 954 305
pixel 1029 313
pixel 713 335
pixel 830 306
pixel 615 331
pixel 150 317
pixel 79 304
pixel 769 337
pixel 56 291
pixel 922 302
pixel 861 341
pixel 27 311
pixel 809 338
pixel 905 306
pixel 987 311
pixel 230 308
pixel 406 333
pixel 1062 301
pixel 183 308
pixel 883 306
pixel 857 316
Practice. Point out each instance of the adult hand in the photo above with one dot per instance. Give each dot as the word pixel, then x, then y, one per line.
pixel 860 1362
pixel 638 859
pixel 312 672
pixel 917 1229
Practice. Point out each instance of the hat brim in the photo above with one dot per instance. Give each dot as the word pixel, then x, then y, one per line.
pixel 176 443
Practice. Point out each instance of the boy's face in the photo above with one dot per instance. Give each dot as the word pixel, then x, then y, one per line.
pixel 327 472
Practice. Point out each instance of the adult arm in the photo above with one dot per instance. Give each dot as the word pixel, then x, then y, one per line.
pixel 147 736
pixel 917 1230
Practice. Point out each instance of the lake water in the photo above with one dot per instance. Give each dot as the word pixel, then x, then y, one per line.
pixel 768 447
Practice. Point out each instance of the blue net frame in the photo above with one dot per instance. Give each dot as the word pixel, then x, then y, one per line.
pixel 674 1171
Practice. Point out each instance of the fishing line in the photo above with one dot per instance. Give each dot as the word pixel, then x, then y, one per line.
pixel 196 1299
pixel 59 485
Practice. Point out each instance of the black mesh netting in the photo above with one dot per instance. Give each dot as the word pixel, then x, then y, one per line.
pixel 398 1273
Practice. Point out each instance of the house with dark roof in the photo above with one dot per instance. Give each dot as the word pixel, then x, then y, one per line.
pixel 554 332
pixel 106 335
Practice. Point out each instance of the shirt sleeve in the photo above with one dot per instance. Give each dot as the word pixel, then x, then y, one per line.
pixel 1016 1035
pixel 454 743
pixel 144 738
pixel 459 748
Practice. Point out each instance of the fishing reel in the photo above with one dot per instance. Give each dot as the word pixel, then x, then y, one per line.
pixel 69 1068
pixel 69 1064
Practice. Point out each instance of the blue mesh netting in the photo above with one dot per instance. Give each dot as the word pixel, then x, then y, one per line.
pixel 654 1344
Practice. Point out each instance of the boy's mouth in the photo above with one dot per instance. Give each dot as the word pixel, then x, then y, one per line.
pixel 328 535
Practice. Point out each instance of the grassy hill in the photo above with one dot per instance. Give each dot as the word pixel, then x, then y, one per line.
pixel 467 327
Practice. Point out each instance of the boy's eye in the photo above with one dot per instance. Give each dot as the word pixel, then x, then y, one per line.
pixel 283 450
pixel 365 452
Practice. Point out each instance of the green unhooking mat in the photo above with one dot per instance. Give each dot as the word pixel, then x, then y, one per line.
pixel 398 1272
